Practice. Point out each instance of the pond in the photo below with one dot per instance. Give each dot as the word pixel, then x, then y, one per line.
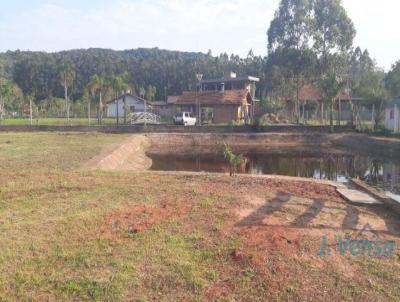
pixel 383 173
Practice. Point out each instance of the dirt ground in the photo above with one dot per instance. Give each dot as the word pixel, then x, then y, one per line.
pixel 139 219
pixel 281 225
pixel 69 234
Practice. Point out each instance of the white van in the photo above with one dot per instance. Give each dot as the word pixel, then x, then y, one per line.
pixel 185 119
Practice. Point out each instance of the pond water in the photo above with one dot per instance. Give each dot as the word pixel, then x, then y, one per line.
pixel 384 174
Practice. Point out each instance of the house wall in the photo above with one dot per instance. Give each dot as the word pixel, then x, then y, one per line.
pixel 130 102
pixel 392 124
pixel 223 114
pixel 226 113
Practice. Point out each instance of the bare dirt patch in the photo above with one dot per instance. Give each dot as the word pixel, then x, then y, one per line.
pixel 281 225
pixel 139 218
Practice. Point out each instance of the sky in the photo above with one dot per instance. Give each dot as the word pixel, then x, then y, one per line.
pixel 232 26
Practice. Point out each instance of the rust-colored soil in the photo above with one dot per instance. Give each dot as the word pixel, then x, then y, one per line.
pixel 139 218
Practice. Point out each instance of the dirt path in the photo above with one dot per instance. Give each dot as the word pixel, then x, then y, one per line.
pixel 130 155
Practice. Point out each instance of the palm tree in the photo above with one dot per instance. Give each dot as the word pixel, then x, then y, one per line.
pixel 142 92
pixel 96 85
pixel 5 92
pixel 66 74
pixel 86 98
pixel 119 84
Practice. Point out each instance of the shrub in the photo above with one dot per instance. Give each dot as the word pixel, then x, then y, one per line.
pixel 234 160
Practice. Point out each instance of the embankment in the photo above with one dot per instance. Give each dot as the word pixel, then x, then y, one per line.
pixel 130 155
pixel 348 143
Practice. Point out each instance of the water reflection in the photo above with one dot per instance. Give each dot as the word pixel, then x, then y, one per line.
pixel 382 173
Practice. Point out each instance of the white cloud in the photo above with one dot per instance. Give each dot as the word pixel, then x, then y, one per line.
pixel 232 26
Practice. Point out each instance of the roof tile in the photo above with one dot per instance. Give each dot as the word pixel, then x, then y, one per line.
pixel 233 97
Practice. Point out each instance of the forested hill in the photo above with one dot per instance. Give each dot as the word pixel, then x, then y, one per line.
pixel 171 72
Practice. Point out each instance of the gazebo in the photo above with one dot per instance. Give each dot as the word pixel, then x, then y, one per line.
pixel 311 93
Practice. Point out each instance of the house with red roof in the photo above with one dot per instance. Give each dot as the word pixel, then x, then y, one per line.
pixel 221 101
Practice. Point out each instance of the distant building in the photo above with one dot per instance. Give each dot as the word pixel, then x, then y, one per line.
pixel 171 100
pixel 230 82
pixel 165 109
pixel 392 115
pixel 311 92
pixel 133 104
pixel 220 101
pixel 218 107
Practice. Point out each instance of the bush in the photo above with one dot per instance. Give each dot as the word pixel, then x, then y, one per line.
pixel 234 160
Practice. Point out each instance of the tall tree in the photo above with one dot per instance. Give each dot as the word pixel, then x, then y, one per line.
pixel 331 84
pixel 119 85
pixel 333 31
pixel 151 92
pixel 87 99
pixel 392 80
pixel 5 92
pixel 333 35
pixel 291 26
pixel 11 97
pixel 289 39
pixel 142 92
pixel 366 81
pixel 66 76
pixel 97 85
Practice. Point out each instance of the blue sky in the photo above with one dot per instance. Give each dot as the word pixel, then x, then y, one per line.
pixel 233 26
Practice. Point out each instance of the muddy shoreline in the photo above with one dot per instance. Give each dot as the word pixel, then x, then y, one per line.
pixel 134 154
pixel 275 143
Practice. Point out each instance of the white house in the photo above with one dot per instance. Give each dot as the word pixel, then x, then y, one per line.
pixel 133 104
pixel 392 116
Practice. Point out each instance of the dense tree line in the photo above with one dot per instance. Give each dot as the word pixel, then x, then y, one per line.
pixel 309 42
pixel 159 72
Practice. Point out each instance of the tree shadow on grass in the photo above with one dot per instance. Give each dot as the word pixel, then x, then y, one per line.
pixel 350 221
pixel 314 209
pixel 270 207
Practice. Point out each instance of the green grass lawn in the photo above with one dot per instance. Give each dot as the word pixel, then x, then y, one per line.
pixel 23 152
pixel 48 121
pixel 64 235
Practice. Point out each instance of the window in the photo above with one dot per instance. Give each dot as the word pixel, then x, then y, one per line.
pixel 392 114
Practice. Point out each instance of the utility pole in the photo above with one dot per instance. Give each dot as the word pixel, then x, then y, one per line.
pixel 117 101
pixel 145 114
pixel 125 109
pixel 89 110
pixel 30 110
pixel 199 77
